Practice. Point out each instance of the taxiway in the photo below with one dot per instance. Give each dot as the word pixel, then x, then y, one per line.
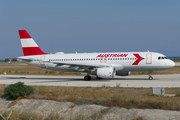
pixel 172 80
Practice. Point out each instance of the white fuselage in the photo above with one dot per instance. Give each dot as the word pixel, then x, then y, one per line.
pixel 126 61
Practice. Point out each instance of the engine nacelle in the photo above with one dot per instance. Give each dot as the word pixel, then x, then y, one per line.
pixel 106 72
pixel 123 73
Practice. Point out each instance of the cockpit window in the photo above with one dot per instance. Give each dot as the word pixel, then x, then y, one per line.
pixel 160 58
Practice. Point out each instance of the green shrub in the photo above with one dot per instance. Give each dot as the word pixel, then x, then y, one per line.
pixel 16 90
pixel 46 72
pixel 52 72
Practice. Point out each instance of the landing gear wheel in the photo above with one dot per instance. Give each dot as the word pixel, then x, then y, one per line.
pixel 87 78
pixel 98 77
pixel 150 78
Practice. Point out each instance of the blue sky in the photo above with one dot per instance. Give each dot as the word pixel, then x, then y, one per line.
pixel 91 26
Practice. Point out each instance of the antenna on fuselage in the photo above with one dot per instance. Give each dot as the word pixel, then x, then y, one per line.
pixel 76 52
pixel 147 50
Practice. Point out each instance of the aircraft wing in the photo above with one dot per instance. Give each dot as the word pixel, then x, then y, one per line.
pixel 80 64
pixel 87 66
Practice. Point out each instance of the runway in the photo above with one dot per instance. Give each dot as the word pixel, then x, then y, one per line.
pixel 172 80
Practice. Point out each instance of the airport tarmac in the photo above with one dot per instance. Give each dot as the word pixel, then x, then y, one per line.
pixel 172 80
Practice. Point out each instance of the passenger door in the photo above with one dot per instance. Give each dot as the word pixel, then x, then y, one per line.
pixel 148 58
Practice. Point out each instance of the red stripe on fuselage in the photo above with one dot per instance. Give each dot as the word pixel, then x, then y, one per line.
pixel 32 51
pixel 139 58
pixel 24 34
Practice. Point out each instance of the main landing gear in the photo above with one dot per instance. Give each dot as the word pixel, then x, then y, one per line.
pixel 98 77
pixel 150 77
pixel 87 78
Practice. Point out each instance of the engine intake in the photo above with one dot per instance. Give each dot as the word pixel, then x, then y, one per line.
pixel 106 72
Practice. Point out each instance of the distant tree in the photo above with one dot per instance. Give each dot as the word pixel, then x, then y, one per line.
pixel 14 60
pixel 7 60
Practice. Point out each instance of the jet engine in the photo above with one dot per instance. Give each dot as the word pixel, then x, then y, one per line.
pixel 106 72
pixel 123 73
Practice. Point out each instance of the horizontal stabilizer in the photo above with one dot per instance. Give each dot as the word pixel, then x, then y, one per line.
pixel 21 59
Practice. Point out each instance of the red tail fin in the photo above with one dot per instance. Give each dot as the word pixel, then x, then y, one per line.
pixel 29 46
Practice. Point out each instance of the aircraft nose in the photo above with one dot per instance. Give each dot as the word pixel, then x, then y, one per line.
pixel 171 64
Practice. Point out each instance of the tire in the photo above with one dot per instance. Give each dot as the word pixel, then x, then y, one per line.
pixel 87 78
pixel 150 78
pixel 99 77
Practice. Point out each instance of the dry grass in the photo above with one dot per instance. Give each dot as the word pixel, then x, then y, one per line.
pixel 30 116
pixel 110 96
pixel 2 89
pixel 32 70
pixel 174 70
pixel 107 96
pixel 175 59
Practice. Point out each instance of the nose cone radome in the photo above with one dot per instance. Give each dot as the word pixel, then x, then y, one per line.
pixel 170 64
pixel 166 64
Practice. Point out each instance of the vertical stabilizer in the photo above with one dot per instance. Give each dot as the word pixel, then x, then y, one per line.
pixel 29 46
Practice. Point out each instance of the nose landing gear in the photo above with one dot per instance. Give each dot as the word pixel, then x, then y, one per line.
pixel 150 77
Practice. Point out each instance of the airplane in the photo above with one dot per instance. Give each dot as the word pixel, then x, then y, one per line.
pixel 103 65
